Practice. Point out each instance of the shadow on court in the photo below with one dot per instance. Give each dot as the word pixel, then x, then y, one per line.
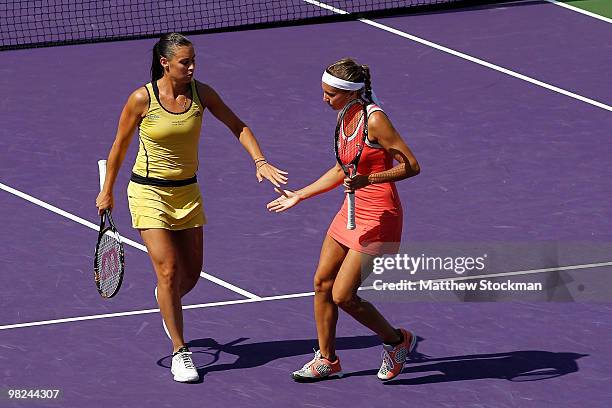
pixel 531 365
pixel 258 354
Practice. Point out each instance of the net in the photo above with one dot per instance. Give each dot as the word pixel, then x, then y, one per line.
pixel 38 23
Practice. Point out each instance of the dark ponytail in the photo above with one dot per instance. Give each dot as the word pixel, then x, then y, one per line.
pixel 349 70
pixel 165 48
pixel 157 71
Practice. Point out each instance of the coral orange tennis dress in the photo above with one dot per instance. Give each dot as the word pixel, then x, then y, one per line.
pixel 378 209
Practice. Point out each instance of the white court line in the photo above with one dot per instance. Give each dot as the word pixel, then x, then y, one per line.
pixel 128 241
pixel 581 11
pixel 288 296
pixel 149 311
pixel 229 286
pixel 468 57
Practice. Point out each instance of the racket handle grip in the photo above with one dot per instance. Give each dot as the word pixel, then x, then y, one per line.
pixel 350 220
pixel 102 172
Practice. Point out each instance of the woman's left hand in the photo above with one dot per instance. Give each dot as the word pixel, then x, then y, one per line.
pixel 355 183
pixel 271 173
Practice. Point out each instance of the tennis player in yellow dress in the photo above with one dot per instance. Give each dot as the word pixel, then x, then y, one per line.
pixel 163 193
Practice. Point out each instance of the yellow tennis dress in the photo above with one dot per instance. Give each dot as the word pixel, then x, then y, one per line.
pixel 163 190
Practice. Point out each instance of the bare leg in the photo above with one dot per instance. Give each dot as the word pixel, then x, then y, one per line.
pixel 172 254
pixel 344 295
pixel 191 242
pixel 326 312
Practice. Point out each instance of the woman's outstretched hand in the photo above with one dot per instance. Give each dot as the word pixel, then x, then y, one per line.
pixel 287 200
pixel 271 173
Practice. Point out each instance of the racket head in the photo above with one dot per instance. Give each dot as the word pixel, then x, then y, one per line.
pixel 109 260
pixel 351 133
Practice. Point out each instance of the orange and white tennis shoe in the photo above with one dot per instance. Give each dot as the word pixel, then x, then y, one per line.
pixel 394 357
pixel 317 369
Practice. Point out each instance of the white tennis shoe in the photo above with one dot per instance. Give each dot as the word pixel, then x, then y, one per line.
pixel 183 368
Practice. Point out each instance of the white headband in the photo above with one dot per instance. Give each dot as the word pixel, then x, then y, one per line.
pixel 341 83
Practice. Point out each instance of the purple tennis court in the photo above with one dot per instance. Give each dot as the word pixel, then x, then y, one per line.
pixel 506 106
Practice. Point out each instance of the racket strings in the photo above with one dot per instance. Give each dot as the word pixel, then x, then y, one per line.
pixel 351 120
pixel 351 137
pixel 109 264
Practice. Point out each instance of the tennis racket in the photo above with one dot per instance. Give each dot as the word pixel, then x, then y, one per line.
pixel 349 139
pixel 109 256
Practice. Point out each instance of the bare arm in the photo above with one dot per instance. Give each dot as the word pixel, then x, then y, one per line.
pixel 382 132
pixel 331 179
pixel 131 115
pixel 328 181
pixel 242 132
